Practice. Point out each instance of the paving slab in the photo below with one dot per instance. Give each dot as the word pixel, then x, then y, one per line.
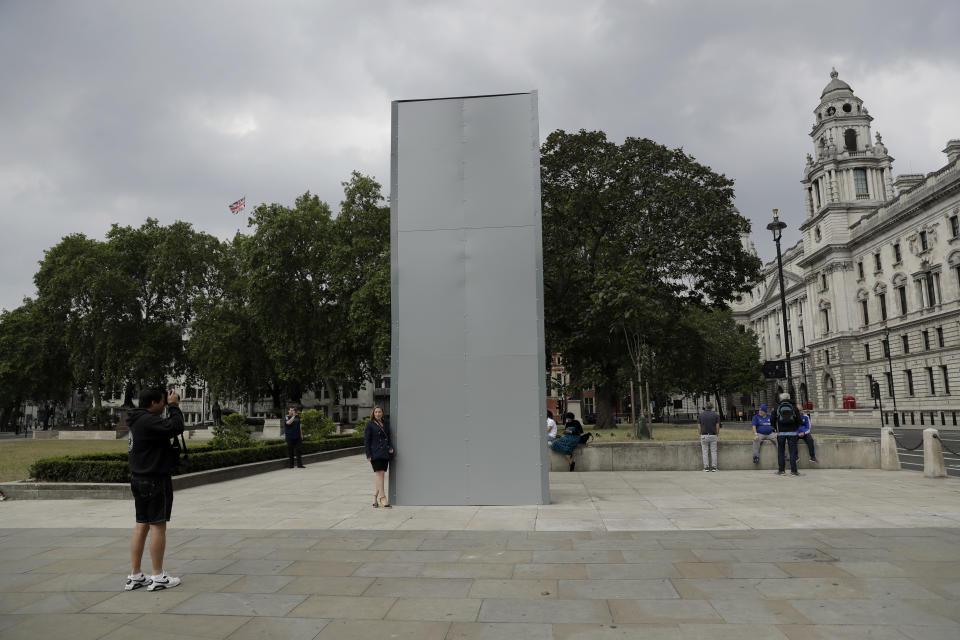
pixel 619 555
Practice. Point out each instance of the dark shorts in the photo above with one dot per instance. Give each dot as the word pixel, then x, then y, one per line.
pixel 153 498
pixel 380 465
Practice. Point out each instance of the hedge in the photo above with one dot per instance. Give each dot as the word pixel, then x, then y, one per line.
pixel 112 467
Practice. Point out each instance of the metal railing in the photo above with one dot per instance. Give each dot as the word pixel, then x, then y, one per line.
pixel 922 418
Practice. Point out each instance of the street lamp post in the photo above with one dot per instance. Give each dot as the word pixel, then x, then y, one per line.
pixel 893 393
pixel 777 227
pixel 803 369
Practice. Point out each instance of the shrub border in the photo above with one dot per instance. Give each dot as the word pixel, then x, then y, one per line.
pixel 121 490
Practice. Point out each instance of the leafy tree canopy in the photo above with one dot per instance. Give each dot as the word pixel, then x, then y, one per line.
pixel 634 235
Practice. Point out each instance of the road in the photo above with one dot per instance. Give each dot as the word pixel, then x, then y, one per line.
pixel 906 440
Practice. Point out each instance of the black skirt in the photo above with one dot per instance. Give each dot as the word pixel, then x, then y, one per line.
pixel 380 465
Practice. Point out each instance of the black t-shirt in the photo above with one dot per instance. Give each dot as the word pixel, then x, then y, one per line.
pixel 576 426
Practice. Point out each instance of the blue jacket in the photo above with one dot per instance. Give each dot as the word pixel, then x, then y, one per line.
pixel 762 423
pixel 804 425
pixel 376 441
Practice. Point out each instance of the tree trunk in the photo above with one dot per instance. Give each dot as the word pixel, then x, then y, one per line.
pixel 5 413
pixel 296 391
pixel 606 403
pixel 716 394
pixel 277 396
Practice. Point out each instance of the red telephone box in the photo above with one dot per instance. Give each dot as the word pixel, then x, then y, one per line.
pixel 849 402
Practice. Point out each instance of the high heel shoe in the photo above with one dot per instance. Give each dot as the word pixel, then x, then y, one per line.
pixel 375 503
pixel 387 505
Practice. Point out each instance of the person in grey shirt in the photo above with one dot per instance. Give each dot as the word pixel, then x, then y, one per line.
pixel 708 426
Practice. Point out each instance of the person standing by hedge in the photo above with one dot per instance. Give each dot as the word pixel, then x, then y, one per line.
pixel 152 458
pixel 379 450
pixel 294 435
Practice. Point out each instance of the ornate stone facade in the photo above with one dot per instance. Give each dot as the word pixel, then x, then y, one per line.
pixel 879 260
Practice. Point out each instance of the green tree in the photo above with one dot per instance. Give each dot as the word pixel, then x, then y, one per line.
pixel 730 356
pixel 287 285
pixel 224 346
pixel 632 235
pixel 82 288
pixel 167 268
pixel 33 360
pixel 359 262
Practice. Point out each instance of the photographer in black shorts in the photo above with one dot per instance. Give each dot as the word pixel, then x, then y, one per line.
pixel 153 458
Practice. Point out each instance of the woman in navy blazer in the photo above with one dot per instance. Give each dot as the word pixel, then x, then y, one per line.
pixel 379 449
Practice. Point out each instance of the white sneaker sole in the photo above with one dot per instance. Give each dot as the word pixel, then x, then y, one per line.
pixel 159 586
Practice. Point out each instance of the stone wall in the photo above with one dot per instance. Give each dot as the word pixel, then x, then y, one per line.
pixel 833 453
pixel 109 434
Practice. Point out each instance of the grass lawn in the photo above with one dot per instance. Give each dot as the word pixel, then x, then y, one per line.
pixel 663 432
pixel 667 432
pixel 16 456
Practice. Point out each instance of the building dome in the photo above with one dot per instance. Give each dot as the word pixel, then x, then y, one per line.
pixel 835 85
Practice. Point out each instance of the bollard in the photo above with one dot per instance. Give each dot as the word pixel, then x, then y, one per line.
pixel 933 466
pixel 889 459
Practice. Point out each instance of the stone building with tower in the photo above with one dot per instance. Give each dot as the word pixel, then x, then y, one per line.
pixel 873 287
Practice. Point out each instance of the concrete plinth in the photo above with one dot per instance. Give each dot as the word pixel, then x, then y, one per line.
pixel 889 459
pixel 933 465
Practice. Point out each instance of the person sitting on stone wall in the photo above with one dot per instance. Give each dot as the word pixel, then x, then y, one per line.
pixel 762 430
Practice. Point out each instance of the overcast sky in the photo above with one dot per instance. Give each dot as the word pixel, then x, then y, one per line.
pixel 115 111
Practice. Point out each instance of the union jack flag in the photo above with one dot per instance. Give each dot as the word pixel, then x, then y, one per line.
pixel 238 206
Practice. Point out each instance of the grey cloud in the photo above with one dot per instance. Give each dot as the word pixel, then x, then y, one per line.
pixel 114 111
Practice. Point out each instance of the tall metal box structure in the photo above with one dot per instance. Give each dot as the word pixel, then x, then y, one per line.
pixel 467 372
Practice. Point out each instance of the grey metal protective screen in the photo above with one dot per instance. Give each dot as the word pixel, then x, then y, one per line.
pixel 468 382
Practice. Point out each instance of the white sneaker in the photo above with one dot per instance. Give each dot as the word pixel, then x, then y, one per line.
pixel 162 581
pixel 136 581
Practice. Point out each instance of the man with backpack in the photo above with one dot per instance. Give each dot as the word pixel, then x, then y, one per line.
pixel 786 420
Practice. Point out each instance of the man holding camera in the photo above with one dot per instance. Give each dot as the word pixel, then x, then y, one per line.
pixel 293 433
pixel 153 458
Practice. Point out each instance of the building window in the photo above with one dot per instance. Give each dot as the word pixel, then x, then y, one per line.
pixel 940 336
pixel 860 184
pixel 850 142
pixel 933 388
pixel 909 375
pixel 826 321
pixel 877 265
pixel 930 279
pixel 889 377
pixel 816 234
pixel 902 294
pixel 926 340
pixel 896 253
pixel 883 306
pixel 954 226
pixel 924 245
pixel 866 312
pixel 946 381
pixel 860 269
pixel 886 348
pixel 906 343
pixel 866 351
pixel 826 355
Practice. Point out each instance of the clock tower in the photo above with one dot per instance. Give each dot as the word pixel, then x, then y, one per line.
pixel 849 174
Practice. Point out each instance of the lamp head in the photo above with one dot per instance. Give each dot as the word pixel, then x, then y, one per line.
pixel 777 226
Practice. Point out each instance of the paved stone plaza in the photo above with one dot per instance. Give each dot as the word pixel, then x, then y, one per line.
pixel 738 554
